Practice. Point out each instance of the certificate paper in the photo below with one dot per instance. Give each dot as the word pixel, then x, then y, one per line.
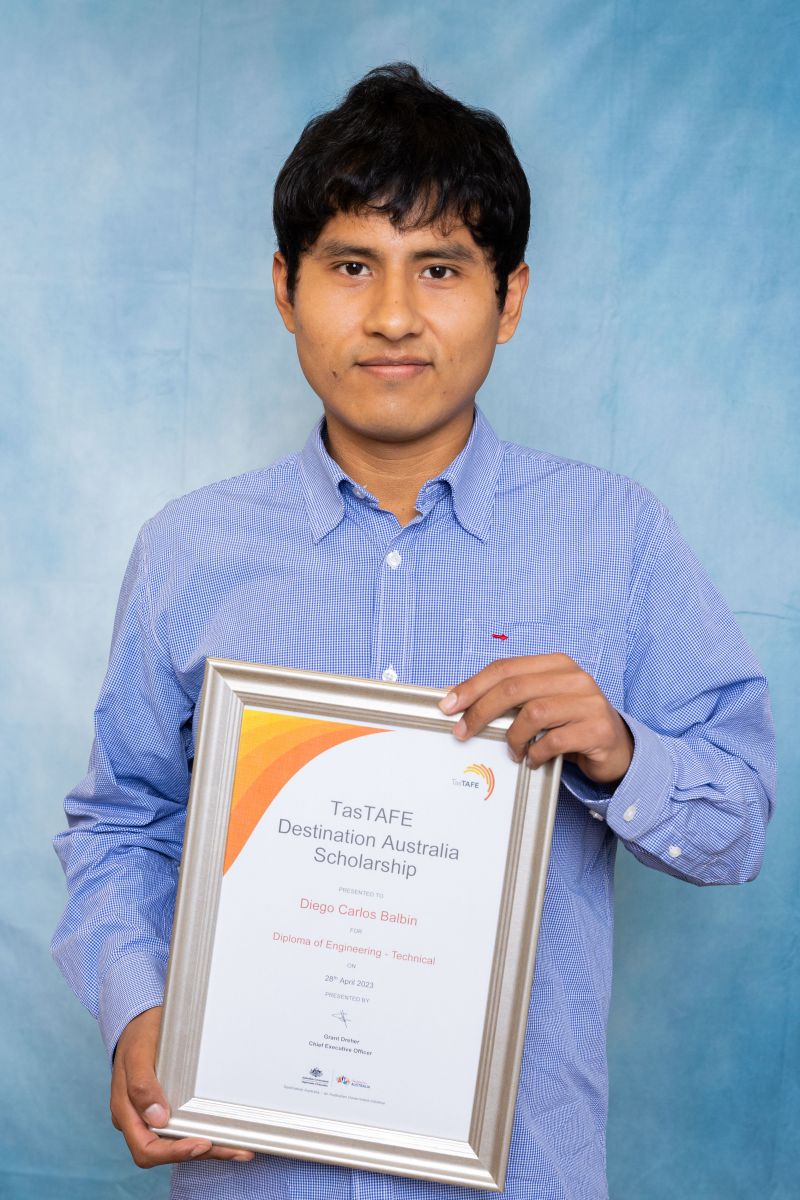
pixel 354 979
pixel 357 913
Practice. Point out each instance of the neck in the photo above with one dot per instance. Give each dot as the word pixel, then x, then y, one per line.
pixel 394 472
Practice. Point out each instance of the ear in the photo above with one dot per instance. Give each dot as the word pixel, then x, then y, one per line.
pixel 512 309
pixel 280 280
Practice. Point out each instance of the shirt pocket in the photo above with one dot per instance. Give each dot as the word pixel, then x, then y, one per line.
pixel 483 642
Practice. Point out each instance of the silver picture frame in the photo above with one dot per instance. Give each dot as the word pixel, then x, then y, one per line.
pixel 480 1160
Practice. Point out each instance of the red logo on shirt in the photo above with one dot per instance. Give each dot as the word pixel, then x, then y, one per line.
pixel 501 637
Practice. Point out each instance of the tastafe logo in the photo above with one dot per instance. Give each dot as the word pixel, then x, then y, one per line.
pixel 484 773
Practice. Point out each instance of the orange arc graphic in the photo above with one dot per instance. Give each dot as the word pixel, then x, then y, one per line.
pixel 484 773
pixel 272 748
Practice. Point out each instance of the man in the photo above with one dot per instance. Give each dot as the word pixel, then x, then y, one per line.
pixel 407 542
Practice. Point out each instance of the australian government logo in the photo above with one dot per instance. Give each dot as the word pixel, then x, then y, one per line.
pixel 482 784
pixel 317 1076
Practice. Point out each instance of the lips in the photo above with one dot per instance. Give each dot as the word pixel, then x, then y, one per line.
pixel 386 360
pixel 385 367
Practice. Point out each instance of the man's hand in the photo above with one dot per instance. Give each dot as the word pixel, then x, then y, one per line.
pixel 138 1101
pixel 555 699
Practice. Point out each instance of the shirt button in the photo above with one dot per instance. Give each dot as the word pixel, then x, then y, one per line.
pixel 359 493
pixel 389 675
pixel 393 559
pixel 630 813
pixel 674 851
pixel 597 816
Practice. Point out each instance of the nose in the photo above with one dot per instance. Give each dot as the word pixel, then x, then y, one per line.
pixel 393 312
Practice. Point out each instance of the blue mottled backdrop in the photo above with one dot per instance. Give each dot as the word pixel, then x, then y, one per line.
pixel 140 356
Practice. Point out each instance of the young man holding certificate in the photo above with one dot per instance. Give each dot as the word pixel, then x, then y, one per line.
pixel 407 542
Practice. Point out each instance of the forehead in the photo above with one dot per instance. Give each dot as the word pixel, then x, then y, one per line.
pixel 346 232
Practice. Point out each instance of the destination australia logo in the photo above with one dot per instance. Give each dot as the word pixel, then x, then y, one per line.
pixel 482 785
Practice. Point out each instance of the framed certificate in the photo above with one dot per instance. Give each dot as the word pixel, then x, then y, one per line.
pixel 355 929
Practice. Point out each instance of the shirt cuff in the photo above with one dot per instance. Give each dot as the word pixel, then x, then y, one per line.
pixel 131 985
pixel 636 804
pixel 596 796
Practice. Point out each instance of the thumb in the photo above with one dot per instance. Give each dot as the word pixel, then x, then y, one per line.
pixel 145 1094
pixel 144 1090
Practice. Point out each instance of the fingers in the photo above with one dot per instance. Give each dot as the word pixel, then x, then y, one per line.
pixel 148 1149
pixel 509 675
pixel 138 1101
pixel 543 695
pixel 553 743
pixel 560 710
pixel 535 715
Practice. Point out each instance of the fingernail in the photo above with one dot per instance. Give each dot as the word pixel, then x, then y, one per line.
pixel 196 1151
pixel 449 704
pixel 512 754
pixel 155 1114
pixel 242 1157
pixel 460 728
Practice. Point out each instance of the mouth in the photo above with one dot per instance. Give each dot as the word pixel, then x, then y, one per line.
pixel 385 367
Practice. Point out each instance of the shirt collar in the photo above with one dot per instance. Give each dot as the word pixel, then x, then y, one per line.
pixel 321 479
pixel 472 477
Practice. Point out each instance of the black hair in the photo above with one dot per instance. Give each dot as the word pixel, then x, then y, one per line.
pixel 400 146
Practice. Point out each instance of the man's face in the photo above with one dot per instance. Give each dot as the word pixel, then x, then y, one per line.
pixel 396 331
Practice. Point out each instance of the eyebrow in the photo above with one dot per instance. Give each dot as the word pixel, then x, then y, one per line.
pixel 447 252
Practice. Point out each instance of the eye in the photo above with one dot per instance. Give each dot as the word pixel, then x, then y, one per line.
pixel 352 269
pixel 440 272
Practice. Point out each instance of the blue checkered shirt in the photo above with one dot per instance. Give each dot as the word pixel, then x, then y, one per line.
pixel 513 552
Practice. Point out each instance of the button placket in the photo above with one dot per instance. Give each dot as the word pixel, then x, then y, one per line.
pixel 394 613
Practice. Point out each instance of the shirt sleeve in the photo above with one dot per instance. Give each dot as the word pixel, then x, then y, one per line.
pixel 121 851
pixel 699 792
